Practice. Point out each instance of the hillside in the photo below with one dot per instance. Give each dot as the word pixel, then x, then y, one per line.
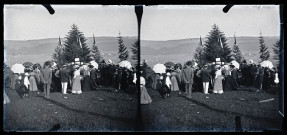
pixel 179 51
pixel 38 51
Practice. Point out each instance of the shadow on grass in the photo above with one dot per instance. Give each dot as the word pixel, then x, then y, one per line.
pixel 127 120
pixel 259 119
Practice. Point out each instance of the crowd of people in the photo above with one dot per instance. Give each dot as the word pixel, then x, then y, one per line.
pixel 211 78
pixel 71 78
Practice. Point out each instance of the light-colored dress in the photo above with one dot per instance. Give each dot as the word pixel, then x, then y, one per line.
pixel 174 84
pixel 145 98
pixel 33 84
pixel 218 88
pixel 76 88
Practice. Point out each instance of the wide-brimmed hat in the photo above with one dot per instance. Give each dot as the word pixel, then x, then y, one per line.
pixel 26 74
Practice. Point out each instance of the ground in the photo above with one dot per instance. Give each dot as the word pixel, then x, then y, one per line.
pixel 106 110
pixel 101 110
pixel 212 112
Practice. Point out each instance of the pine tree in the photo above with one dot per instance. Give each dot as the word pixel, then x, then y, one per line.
pixel 264 52
pixel 75 46
pixel 199 55
pixel 216 46
pixel 135 48
pixel 58 55
pixel 95 51
pixel 236 51
pixel 123 52
pixel 276 50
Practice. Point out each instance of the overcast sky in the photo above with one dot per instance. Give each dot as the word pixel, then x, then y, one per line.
pixel 179 22
pixel 25 22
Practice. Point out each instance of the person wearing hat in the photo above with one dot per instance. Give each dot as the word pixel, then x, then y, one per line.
pixel 93 77
pixel 217 88
pixel 205 75
pixel 187 78
pixel 26 82
pixel 76 87
pixel 64 77
pixel 234 75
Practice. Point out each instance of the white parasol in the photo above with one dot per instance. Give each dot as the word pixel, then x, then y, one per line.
pixel 95 64
pixel 18 68
pixel 267 63
pixel 125 64
pixel 235 63
pixel 159 68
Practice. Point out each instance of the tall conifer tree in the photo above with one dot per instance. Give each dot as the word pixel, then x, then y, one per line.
pixel 216 46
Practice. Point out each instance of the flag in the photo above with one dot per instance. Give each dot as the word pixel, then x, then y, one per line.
pixel 79 41
pixel 200 41
pixel 220 42
pixel 235 42
pixel 60 42
pixel 94 42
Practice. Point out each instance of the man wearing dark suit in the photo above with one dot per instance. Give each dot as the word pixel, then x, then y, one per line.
pixel 93 76
pixel 205 75
pixel 64 76
pixel 46 75
pixel 187 76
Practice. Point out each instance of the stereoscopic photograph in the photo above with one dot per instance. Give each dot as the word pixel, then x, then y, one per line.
pixel 71 71
pixel 82 68
pixel 206 70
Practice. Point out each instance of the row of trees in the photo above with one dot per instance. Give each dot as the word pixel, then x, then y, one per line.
pixel 216 47
pixel 75 47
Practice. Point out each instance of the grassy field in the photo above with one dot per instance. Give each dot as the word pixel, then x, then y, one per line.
pixel 101 110
pixel 212 112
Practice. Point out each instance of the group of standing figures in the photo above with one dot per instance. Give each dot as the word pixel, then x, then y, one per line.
pixel 210 78
pixel 74 77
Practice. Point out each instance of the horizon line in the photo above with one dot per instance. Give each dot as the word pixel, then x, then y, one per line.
pixel 128 36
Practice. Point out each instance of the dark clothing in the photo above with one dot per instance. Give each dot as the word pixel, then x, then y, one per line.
pixel 64 75
pixel 93 74
pixel 93 79
pixel 234 76
pixel 86 83
pixel 205 75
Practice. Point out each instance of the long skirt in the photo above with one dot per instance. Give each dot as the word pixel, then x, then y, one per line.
pixel 76 88
pixel 33 84
pixel 218 85
pixel 174 84
pixel 86 83
pixel 145 98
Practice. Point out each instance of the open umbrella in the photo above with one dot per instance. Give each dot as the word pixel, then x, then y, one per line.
pixel 18 68
pixel 95 64
pixel 125 64
pixel 267 63
pixel 235 63
pixel 159 68
pixel 169 64
pixel 27 64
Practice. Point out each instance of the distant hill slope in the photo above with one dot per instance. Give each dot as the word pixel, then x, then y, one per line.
pixel 184 49
pixel 38 51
